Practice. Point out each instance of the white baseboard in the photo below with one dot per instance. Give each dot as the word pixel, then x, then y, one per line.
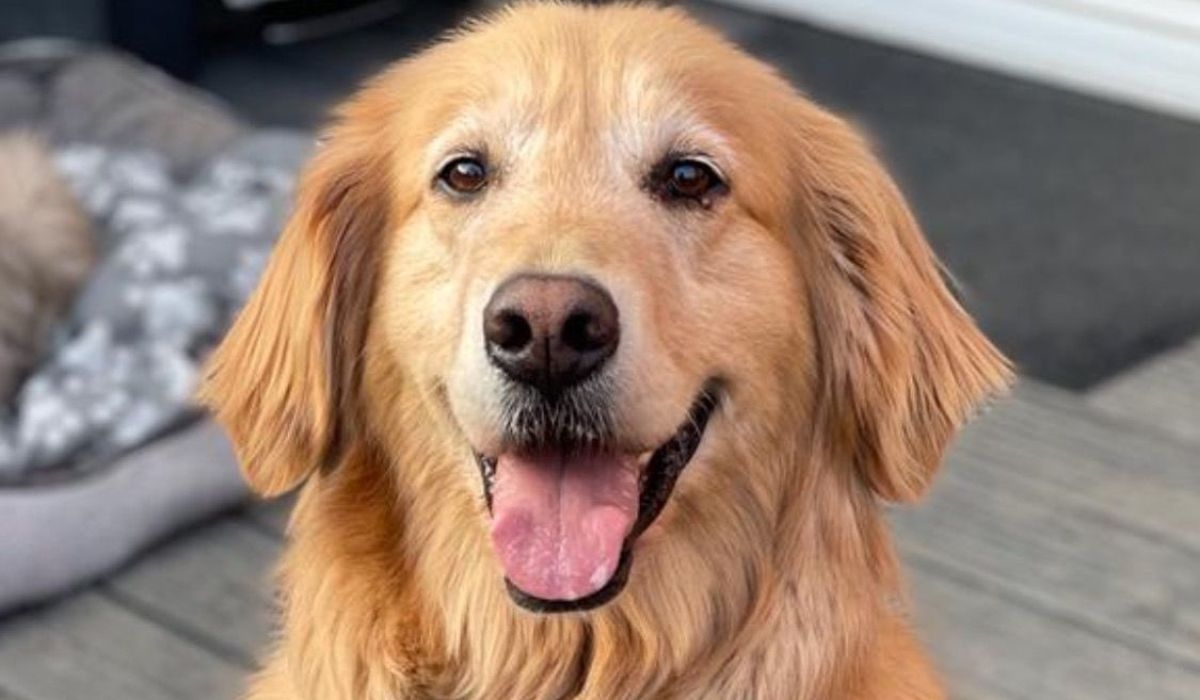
pixel 1140 52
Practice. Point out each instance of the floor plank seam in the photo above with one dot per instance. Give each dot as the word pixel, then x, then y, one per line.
pixel 1147 428
pixel 256 524
pixel 256 529
pixel 176 627
pixel 932 564
pixel 1093 506
pixel 1086 508
pixel 1076 407
pixel 7 693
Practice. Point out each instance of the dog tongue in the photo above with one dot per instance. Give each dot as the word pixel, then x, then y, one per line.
pixel 559 521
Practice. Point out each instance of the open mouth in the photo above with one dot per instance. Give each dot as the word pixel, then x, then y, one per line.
pixel 565 519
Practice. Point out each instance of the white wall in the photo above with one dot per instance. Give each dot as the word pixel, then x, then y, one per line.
pixel 1142 52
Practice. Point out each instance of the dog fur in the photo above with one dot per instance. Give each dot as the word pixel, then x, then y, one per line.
pixel 846 366
pixel 46 252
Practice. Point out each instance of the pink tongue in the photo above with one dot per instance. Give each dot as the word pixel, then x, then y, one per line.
pixel 558 522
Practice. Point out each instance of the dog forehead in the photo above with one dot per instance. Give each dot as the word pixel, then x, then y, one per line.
pixel 626 112
pixel 583 72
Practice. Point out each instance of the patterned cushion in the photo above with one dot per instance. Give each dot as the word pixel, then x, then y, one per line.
pixel 187 201
pixel 178 259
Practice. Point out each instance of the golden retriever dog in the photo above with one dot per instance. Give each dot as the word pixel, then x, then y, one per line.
pixel 598 350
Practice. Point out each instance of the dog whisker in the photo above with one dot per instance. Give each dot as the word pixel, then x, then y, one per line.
pixel 579 418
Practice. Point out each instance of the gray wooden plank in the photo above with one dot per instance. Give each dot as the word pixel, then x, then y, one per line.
pixel 89 647
pixel 990 647
pixel 212 586
pixel 1052 440
pixel 1163 391
pixel 1069 530
pixel 1068 557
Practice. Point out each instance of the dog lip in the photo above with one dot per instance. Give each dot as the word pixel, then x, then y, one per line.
pixel 659 474
pixel 670 459
pixel 487 471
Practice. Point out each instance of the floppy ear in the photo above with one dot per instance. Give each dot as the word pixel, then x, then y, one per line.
pixel 284 382
pixel 902 364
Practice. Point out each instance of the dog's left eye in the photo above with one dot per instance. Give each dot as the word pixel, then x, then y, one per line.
pixel 465 175
pixel 687 180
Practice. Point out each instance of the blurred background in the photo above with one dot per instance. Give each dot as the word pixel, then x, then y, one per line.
pixel 1051 149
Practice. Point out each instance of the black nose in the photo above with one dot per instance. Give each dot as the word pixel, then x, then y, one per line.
pixel 550 331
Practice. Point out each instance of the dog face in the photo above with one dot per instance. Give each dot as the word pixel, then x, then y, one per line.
pixel 608 268
pixel 590 287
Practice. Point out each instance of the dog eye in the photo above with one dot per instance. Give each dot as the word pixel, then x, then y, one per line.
pixel 688 179
pixel 465 175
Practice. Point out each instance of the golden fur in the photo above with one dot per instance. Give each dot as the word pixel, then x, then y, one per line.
pixel 847 366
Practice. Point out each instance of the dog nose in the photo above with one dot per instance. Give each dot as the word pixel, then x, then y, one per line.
pixel 550 331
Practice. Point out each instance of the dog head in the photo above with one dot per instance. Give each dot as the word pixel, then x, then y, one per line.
pixel 608 268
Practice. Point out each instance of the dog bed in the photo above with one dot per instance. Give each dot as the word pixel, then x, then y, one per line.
pixel 101 450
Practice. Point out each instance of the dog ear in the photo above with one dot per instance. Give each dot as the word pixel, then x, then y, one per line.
pixel 902 364
pixel 284 381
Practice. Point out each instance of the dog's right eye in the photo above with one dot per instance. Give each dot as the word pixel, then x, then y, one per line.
pixel 464 175
pixel 686 180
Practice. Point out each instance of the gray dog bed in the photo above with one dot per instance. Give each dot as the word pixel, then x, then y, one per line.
pixel 101 451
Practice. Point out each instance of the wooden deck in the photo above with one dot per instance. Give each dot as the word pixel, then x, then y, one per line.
pixel 1058 557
